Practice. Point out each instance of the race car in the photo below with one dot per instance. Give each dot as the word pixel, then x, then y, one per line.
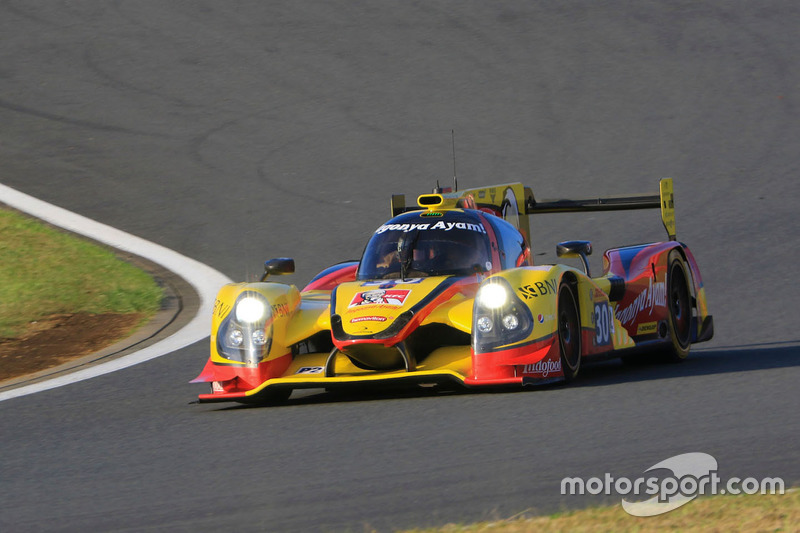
pixel 446 294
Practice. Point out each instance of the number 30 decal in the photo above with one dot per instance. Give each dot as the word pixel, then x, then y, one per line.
pixel 603 323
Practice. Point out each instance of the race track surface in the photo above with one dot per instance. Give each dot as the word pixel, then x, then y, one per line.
pixel 234 132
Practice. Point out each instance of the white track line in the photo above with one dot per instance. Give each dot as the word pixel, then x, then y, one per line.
pixel 205 280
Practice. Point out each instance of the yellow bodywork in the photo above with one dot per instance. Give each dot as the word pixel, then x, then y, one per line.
pixel 667 207
pixel 297 317
pixel 307 370
pixel 372 324
pixel 284 301
pixel 456 312
pixel 369 308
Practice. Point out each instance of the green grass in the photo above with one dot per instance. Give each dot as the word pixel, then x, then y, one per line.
pixel 779 512
pixel 44 272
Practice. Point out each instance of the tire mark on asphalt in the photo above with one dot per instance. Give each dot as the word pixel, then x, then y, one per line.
pixel 196 150
pixel 94 66
pixel 88 124
pixel 10 6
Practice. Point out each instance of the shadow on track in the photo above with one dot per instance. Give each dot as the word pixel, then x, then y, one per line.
pixel 593 374
pixel 369 394
pixel 699 363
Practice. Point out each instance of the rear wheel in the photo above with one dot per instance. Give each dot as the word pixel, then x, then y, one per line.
pixel 679 303
pixel 569 332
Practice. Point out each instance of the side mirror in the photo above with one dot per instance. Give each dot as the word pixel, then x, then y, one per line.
pixel 580 249
pixel 278 266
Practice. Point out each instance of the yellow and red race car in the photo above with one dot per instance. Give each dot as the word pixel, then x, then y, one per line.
pixel 446 293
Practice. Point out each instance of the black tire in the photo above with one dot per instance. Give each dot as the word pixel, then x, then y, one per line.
pixel 569 332
pixel 679 304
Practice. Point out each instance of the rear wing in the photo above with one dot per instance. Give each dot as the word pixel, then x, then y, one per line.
pixel 514 202
pixel 664 200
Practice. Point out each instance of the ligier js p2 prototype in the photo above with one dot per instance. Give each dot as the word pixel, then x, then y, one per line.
pixel 446 293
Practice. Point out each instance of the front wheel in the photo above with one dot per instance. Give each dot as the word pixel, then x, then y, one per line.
pixel 569 332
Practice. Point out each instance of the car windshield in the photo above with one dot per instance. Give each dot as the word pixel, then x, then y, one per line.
pixel 409 247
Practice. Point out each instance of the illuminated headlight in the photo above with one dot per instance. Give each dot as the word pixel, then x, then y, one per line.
pixel 250 310
pixel 510 322
pixel 245 334
pixel 493 296
pixel 485 324
pixel 235 337
pixel 500 318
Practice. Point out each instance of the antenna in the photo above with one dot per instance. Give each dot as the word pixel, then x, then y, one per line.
pixel 455 179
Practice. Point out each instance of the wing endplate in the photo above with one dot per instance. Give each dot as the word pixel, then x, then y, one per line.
pixel 667 207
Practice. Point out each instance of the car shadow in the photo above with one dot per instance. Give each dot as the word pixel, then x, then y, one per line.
pixel 351 395
pixel 705 362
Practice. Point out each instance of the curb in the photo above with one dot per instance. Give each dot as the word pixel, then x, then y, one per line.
pixel 195 286
pixel 179 304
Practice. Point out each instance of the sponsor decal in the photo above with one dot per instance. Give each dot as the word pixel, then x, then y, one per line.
pixel 542 318
pixel 441 225
pixel 220 308
pixel 543 368
pixel 310 370
pixel 603 318
pixel 647 327
pixel 540 288
pixel 380 297
pixel 368 319
pixel 654 295
pixel 281 310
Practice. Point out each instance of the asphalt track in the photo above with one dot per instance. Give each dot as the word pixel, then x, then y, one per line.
pixel 238 132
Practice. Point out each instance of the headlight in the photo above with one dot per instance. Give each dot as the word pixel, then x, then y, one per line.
pixel 510 321
pixel 245 335
pixel 485 324
pixel 259 337
pixel 250 310
pixel 500 318
pixel 235 337
pixel 493 296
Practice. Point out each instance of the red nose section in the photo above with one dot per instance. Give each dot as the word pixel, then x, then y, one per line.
pixel 235 378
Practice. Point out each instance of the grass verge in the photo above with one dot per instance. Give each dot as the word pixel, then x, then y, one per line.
pixel 48 272
pixel 780 512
